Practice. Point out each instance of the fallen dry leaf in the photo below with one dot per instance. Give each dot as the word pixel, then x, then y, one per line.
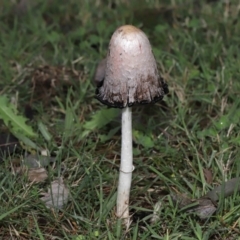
pixel 156 212
pixel 36 161
pixel 32 167
pixel 37 175
pixel 208 175
pixel 57 194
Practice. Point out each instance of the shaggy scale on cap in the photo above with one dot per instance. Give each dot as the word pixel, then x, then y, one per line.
pixel 131 74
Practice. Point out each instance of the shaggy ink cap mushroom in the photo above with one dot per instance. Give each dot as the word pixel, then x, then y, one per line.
pixel 131 74
pixel 99 74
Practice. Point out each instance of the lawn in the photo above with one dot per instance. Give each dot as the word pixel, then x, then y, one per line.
pixel 186 144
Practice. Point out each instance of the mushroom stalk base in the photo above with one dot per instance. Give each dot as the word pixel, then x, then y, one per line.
pixel 126 166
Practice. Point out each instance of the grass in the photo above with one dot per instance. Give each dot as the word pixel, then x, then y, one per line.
pixel 48 56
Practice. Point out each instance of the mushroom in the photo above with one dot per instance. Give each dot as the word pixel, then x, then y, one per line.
pixel 99 74
pixel 131 77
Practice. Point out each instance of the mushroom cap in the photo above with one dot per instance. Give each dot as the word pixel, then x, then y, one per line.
pixel 131 75
pixel 99 74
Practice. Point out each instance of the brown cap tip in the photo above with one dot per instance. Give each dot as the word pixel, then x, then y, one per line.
pixel 131 75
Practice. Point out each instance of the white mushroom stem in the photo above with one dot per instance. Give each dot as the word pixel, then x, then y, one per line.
pixel 126 166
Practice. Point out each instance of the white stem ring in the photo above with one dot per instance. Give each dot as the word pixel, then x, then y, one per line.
pixel 133 168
